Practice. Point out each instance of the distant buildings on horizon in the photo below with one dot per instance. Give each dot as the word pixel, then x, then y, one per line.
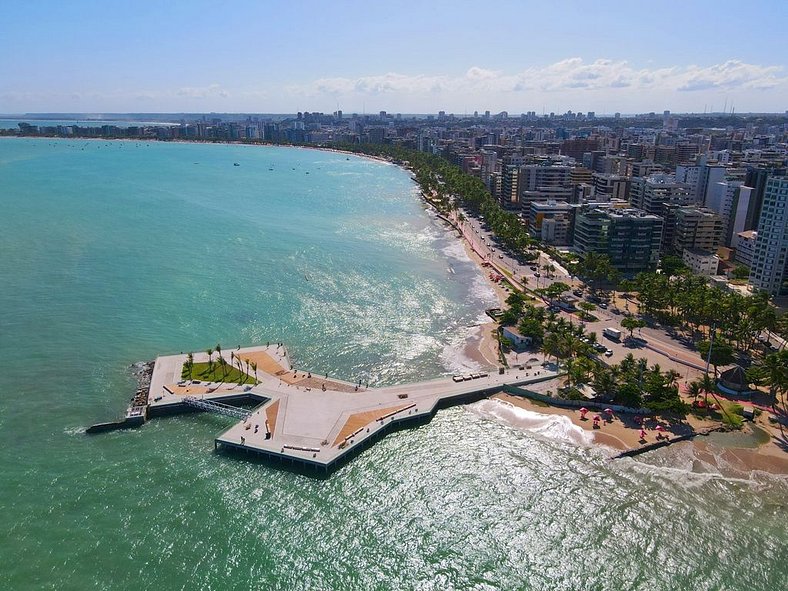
pixel 711 189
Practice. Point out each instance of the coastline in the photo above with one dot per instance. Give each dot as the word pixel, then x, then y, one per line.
pixel 617 435
pixel 481 347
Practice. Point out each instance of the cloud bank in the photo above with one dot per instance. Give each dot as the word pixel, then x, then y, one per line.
pixel 603 85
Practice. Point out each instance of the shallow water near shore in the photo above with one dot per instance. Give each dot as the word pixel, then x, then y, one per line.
pixel 114 252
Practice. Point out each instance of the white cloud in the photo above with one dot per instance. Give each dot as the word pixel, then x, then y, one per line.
pixel 731 74
pixel 569 74
pixel 202 92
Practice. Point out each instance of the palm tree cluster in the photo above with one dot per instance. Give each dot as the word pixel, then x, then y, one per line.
pixel 772 371
pixel 631 383
pixel 690 303
pixel 596 269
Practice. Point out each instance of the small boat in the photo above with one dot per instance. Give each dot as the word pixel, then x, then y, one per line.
pixel 236 164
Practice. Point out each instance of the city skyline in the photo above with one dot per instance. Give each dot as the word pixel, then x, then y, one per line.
pixel 282 58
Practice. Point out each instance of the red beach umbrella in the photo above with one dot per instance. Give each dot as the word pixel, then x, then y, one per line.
pixel 659 428
pixel 642 433
pixel 597 418
pixel 609 411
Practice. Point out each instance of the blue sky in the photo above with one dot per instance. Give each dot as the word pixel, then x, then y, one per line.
pixel 243 56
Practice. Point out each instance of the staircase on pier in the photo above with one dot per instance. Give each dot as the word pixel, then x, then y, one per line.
pixel 217 407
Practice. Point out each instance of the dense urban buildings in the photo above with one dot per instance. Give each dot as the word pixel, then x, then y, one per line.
pixel 706 188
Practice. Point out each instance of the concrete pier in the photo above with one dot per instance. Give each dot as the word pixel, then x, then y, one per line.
pixel 314 421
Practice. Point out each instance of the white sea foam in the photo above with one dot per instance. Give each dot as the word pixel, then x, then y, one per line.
pixel 483 291
pixel 453 357
pixel 455 250
pixel 553 427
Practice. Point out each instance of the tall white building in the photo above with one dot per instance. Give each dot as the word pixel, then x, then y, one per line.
pixel 730 199
pixel 700 178
pixel 768 269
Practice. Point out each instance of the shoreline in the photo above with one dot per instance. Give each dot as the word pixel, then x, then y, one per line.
pixel 481 346
pixel 619 435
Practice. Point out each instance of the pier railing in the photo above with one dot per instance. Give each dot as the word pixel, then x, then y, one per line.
pixel 217 407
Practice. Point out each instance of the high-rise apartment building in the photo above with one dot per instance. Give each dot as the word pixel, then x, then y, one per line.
pixel 551 222
pixel 630 237
pixel 651 193
pixel 768 271
pixel 698 229
pixel 542 182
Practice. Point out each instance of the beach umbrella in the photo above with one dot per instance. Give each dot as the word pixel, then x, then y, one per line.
pixel 609 411
pixel 597 418
pixel 583 412
pixel 659 428
pixel 642 433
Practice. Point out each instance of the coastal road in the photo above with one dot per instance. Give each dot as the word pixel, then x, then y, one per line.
pixel 659 347
pixel 485 243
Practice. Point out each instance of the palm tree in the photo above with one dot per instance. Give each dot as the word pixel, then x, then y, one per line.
pixel 190 364
pixel 242 374
pixel 693 390
pixel 708 387
pixel 672 375
pixel 774 369
pixel 210 361
pixel 254 369
pixel 223 365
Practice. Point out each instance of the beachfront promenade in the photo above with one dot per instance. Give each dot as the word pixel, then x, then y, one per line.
pixel 312 420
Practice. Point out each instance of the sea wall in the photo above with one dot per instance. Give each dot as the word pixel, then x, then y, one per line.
pixel 517 391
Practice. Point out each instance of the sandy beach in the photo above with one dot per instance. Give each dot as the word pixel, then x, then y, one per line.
pixel 621 433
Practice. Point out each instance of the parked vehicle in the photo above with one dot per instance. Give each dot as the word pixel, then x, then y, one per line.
pixel 612 333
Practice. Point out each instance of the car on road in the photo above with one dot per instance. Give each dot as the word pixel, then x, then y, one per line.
pixel 500 256
pixel 537 274
pixel 603 305
pixel 599 347
pixel 608 353
pixel 578 292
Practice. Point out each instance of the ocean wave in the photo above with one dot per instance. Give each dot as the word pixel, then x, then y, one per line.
pixel 482 291
pixel 72 431
pixel 455 250
pixel 552 427
pixel 453 357
pixel 682 465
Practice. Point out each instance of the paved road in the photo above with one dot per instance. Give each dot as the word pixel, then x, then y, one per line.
pixel 668 354
pixel 484 242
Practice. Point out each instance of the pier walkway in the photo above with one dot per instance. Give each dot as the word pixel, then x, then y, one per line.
pixel 217 407
pixel 311 420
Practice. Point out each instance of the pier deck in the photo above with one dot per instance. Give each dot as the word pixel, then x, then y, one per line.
pixel 298 421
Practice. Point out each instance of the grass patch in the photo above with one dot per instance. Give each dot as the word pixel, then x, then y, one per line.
pixel 732 415
pixel 202 371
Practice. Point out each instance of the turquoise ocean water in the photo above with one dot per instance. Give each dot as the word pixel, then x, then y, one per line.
pixel 114 252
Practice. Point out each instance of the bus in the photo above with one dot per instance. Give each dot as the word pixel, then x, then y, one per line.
pixel 612 333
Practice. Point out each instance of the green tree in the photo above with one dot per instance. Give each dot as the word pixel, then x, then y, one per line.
pixel 672 265
pixel 631 323
pixel 629 395
pixel 721 353
pixel 773 372
pixel 740 272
